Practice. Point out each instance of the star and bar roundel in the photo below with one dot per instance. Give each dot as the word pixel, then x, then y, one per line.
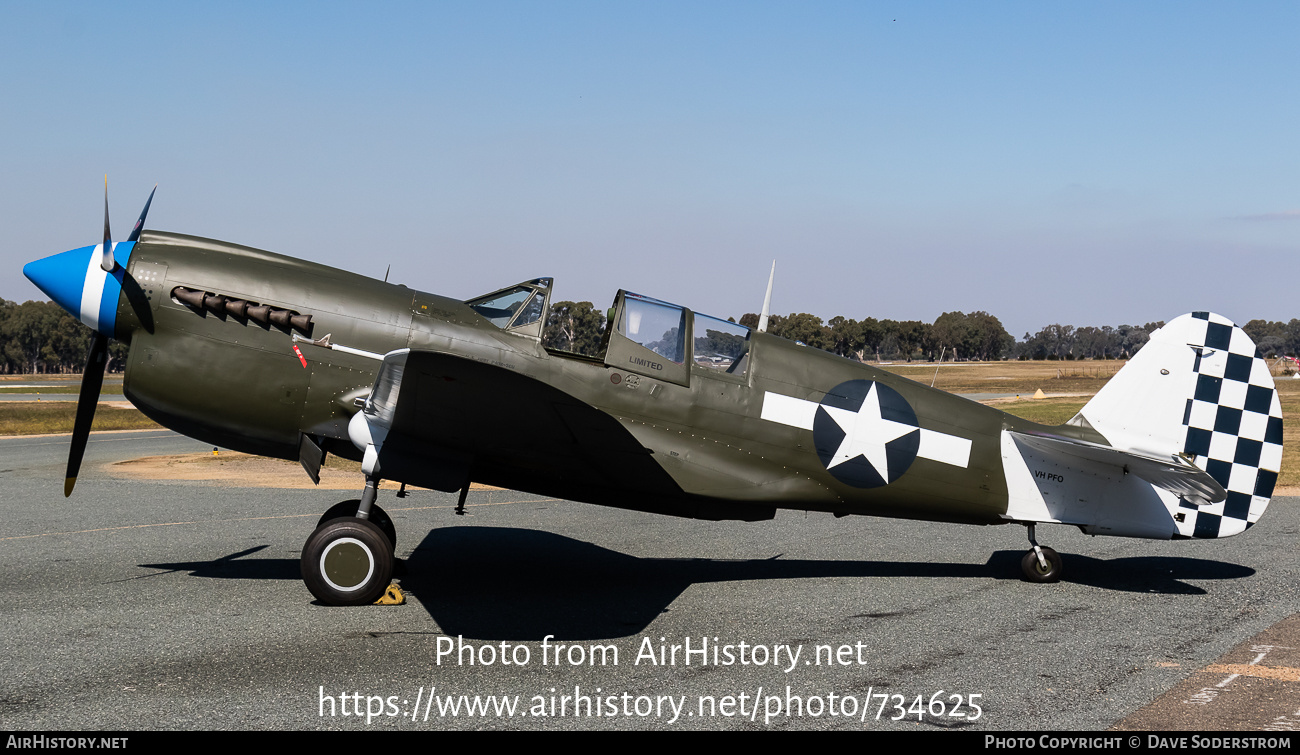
pixel 865 433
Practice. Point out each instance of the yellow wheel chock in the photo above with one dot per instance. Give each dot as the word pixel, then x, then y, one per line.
pixel 392 597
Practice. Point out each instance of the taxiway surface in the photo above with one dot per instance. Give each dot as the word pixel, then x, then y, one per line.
pixel 141 605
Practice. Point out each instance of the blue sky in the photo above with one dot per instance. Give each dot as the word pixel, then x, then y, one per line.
pixel 1083 163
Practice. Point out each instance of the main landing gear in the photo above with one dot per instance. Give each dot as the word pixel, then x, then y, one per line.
pixel 348 560
pixel 1041 564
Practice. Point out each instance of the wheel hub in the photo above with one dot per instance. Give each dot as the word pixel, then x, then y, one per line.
pixel 347 564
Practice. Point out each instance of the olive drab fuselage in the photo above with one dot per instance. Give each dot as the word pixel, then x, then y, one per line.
pixel 695 441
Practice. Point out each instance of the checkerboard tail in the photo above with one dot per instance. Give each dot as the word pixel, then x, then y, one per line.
pixel 1200 389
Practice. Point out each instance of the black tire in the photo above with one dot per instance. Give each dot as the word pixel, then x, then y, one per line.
pixel 1034 571
pixel 347 562
pixel 378 517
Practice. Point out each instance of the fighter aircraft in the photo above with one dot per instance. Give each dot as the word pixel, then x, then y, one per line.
pixel 682 413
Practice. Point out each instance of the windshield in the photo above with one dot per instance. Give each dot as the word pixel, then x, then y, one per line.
pixel 514 307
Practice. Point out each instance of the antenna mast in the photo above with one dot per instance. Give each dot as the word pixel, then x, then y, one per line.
pixel 767 301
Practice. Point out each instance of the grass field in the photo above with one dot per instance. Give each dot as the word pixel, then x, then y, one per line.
pixel 55 390
pixel 1289 392
pixel 56 384
pixel 1011 377
pixel 1047 411
pixel 33 418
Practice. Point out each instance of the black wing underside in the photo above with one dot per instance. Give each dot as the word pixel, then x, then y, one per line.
pixel 513 430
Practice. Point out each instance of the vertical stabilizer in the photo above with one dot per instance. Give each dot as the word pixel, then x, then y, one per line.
pixel 1200 389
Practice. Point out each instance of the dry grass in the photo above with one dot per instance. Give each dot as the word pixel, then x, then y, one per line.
pixel 57 384
pixel 37 418
pixel 61 389
pixel 1047 411
pixel 1288 391
pixel 1011 377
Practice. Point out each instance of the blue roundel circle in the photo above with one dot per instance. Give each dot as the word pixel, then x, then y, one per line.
pixel 866 434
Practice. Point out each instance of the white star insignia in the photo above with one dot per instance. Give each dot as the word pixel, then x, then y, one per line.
pixel 866 433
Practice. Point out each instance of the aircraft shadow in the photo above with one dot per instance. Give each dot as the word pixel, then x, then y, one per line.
pixel 494 583
pixel 231 567
pixel 1149 574
pixel 498 583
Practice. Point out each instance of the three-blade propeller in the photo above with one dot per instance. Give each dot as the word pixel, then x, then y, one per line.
pixel 93 378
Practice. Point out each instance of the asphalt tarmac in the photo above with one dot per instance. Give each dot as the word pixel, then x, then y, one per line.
pixel 154 605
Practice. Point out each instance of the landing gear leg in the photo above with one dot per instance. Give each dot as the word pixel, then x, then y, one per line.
pixel 378 517
pixel 368 497
pixel 1041 564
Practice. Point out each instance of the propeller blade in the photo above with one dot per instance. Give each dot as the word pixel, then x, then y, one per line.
pixel 139 224
pixel 91 381
pixel 106 261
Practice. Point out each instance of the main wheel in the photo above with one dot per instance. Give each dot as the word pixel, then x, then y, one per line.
pixel 1034 571
pixel 347 562
pixel 378 516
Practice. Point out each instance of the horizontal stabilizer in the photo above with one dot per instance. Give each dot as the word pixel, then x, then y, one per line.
pixel 1175 474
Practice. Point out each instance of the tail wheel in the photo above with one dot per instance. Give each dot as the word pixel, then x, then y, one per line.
pixel 378 517
pixel 1034 571
pixel 347 562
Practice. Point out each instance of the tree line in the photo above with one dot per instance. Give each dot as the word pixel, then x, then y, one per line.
pixel 40 337
pixel 1275 338
pixel 953 336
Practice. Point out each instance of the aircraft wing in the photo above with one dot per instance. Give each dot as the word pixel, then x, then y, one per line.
pixel 446 417
pixel 1178 476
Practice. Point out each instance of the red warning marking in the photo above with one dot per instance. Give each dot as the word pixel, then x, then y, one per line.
pixel 301 358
